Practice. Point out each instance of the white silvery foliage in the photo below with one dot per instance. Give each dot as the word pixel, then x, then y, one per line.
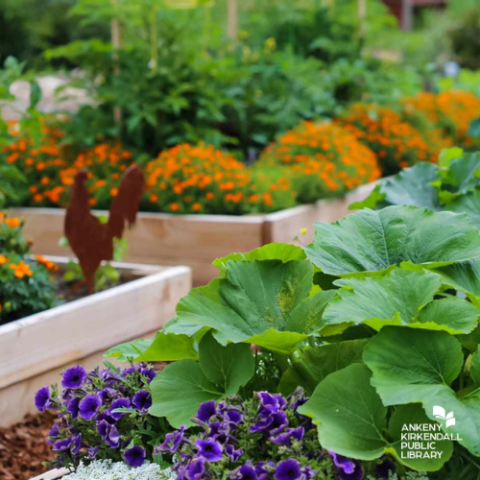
pixel 108 470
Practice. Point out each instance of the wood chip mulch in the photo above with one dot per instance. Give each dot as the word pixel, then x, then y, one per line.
pixel 23 448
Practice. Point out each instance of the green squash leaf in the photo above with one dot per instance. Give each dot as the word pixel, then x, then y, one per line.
pixel 463 173
pixel 373 201
pixel 168 347
pixel 272 251
pixel 413 186
pixel 129 351
pixel 229 367
pixel 254 298
pixel 447 155
pixel 349 414
pixel 396 297
pixel 414 414
pixel 456 314
pixel 468 203
pixel 418 366
pixel 178 390
pixel 371 241
pixel 475 367
pixel 317 363
pixel 463 276
pixel 352 420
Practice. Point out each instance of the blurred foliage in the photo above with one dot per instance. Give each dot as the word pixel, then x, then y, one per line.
pixel 174 77
pixel 465 38
pixel 28 27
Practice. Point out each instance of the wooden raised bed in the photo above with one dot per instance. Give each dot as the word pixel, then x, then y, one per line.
pixel 195 240
pixel 51 475
pixel 35 349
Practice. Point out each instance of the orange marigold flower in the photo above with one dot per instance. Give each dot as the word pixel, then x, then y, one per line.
pixel 48 264
pixel 21 269
pixel 3 259
pixel 322 158
pixel 13 222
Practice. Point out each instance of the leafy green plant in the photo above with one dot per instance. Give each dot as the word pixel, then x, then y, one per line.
pixel 26 286
pixel 11 182
pixel 451 185
pixel 383 307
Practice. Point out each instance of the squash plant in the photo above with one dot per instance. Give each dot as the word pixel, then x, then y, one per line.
pixel 452 185
pixel 377 320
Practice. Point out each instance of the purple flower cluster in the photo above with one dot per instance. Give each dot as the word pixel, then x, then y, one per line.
pixel 101 415
pixel 263 439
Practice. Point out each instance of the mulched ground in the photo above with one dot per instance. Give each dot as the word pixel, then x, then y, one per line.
pixel 23 448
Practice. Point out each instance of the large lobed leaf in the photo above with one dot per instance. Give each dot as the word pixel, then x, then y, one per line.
pixel 180 388
pixel 266 303
pixel 401 297
pixel 372 241
pixel 419 366
pixel 352 420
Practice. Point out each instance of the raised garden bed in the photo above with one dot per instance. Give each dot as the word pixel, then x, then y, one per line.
pixel 195 240
pixel 51 475
pixel 35 349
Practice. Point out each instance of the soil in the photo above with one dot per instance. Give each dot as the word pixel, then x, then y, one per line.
pixel 23 448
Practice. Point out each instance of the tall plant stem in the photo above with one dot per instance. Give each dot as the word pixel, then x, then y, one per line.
pixel 232 21
pixel 117 44
pixel 153 40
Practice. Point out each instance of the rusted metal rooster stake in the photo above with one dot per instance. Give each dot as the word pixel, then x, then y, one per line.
pixel 91 240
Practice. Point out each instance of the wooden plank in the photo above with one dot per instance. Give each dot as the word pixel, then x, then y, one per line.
pixel 284 226
pixel 55 337
pixel 196 240
pixel 162 239
pixel 52 474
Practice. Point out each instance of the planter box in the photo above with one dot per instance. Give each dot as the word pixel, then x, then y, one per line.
pixel 195 240
pixel 35 349
pixel 51 475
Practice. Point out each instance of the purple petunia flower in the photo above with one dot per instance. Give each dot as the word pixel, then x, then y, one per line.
pixel 270 422
pixel 246 472
pixel 233 416
pixel 118 403
pixel 92 452
pixel 107 394
pixel 288 470
pixel 209 449
pixel 206 411
pixel 286 437
pixel 63 445
pixel 42 397
pixel 74 377
pixel 72 407
pixel 308 473
pixel 262 470
pixel 172 441
pixel 89 406
pixel 272 402
pixel 233 453
pixel 53 434
pixel 196 469
pixel 343 463
pixel 135 456
pixel 109 433
pixel 142 400
pixel 149 373
pixel 357 473
pixel 77 444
